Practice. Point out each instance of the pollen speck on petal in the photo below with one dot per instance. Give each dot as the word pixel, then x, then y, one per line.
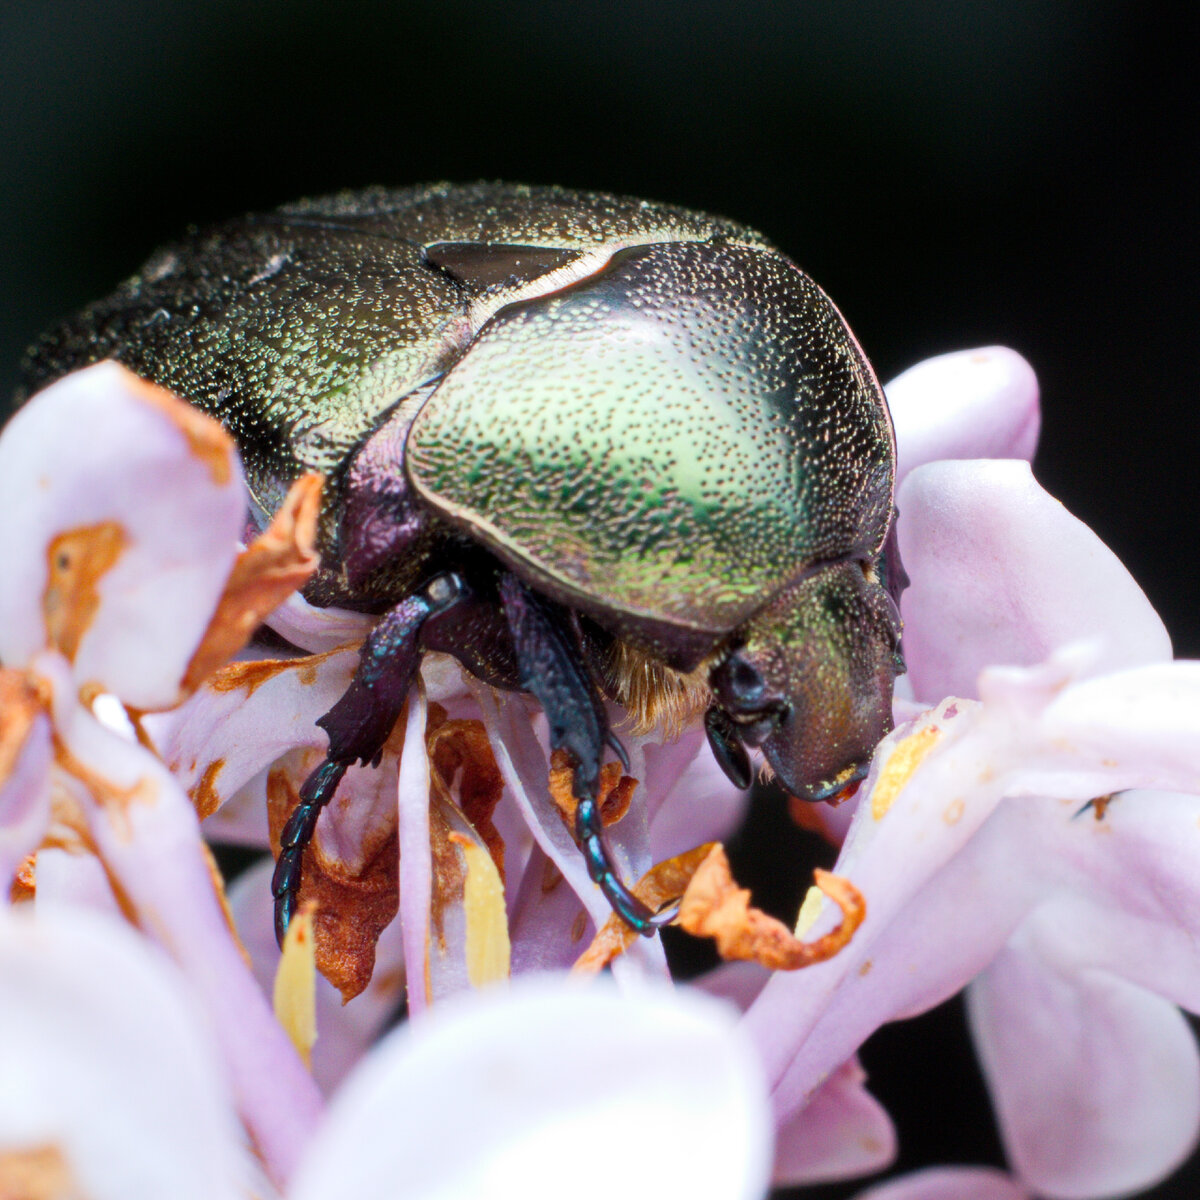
pixel 905 758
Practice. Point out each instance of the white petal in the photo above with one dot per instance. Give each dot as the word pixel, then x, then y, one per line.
pixel 148 836
pixel 1096 1082
pixel 1003 574
pixel 107 1058
pixel 949 1183
pixel 969 404
pixel 546 1090
pixel 96 450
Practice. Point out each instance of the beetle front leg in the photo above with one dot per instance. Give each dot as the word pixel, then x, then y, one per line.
pixel 551 668
pixel 358 725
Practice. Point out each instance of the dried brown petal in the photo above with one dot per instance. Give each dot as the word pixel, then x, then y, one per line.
pixel 615 790
pixel 714 906
pixel 661 884
pixel 24 884
pixel 37 1173
pixel 20 706
pixel 353 906
pixel 264 575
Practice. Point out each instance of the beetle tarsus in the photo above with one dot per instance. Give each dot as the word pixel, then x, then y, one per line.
pixel 551 666
pixel 358 725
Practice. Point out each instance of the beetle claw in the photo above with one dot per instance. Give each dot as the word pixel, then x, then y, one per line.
pixel 359 724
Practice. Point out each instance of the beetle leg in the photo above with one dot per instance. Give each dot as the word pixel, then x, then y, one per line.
pixel 359 724
pixel 551 667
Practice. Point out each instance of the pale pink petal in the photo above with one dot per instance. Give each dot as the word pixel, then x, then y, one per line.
pixel 1123 887
pixel 244 720
pixel 548 924
pixel 503 1092
pixel 318 629
pixel 526 770
pixel 949 1183
pixel 73 880
pixel 1096 1082
pixel 344 1031
pixel 914 948
pixel 25 801
pixel 689 797
pixel 1003 574
pixel 109 1062
pixel 416 865
pixel 969 404
pixel 96 451
pixel 525 767
pixel 147 833
pixel 952 868
pixel 842 1132
pixel 1138 727
pixel 738 982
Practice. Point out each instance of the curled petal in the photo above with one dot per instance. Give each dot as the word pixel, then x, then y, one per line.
pixel 132 505
pixel 514 1084
pixel 1096 1082
pixel 318 629
pixel 1003 574
pixel 714 906
pixel 969 404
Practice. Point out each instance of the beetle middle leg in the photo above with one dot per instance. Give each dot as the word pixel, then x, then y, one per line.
pixel 358 725
pixel 552 668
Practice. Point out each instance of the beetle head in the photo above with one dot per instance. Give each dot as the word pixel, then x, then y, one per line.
pixel 811 678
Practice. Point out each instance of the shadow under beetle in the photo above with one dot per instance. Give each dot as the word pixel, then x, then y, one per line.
pixel 561 432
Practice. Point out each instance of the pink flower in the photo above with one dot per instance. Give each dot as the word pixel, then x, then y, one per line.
pixel 983 841
pixel 131 504
pixel 114 1089
pixel 976 850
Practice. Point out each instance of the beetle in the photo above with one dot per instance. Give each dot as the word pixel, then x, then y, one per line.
pixel 568 438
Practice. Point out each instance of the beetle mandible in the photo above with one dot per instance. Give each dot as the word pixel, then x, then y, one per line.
pixel 568 437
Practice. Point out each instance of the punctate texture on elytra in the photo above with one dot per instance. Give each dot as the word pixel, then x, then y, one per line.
pixel 591 446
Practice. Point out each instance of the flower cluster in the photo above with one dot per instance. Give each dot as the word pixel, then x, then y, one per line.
pixel 1030 831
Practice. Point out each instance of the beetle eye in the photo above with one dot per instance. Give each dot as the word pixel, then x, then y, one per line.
pixel 739 686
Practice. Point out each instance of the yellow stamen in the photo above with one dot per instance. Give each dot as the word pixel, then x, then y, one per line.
pixel 296 985
pixel 487 948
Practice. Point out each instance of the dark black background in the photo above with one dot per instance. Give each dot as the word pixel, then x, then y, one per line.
pixel 954 174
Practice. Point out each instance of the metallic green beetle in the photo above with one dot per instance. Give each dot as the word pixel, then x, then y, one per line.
pixel 569 438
